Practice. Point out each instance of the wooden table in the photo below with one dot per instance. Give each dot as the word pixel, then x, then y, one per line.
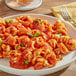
pixel 43 9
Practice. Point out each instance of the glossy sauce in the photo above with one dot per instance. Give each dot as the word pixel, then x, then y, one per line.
pixel 33 42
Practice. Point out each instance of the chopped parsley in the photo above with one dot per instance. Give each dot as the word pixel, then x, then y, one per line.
pixel 26 62
pixel 16 46
pixel 21 16
pixel 0 41
pixel 59 32
pixel 30 34
pixel 8 21
pixel 39 21
pixel 51 49
pixel 21 44
pixel 36 34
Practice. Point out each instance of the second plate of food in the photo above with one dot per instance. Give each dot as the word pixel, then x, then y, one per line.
pixel 23 6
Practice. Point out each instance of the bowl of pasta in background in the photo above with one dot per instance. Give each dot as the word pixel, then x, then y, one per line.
pixel 67 59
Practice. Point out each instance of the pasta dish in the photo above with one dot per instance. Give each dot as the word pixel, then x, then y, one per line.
pixel 33 42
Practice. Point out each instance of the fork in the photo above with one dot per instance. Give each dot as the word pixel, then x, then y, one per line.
pixel 66 15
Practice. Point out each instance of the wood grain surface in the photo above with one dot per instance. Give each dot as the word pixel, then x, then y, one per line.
pixel 43 9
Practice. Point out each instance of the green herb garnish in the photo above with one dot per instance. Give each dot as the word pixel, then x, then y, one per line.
pixel 21 44
pixel 26 62
pixel 59 32
pixel 36 34
pixel 16 46
pixel 30 34
pixel 21 16
pixel 0 40
pixel 51 49
pixel 39 21
pixel 8 21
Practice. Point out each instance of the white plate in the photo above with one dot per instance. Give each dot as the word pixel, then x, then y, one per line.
pixel 32 5
pixel 67 59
